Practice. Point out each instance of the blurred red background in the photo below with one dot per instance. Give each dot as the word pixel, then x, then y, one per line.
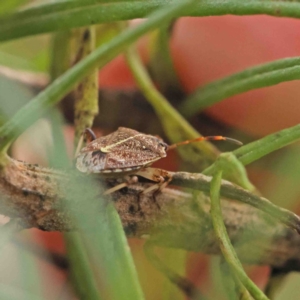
pixel 205 49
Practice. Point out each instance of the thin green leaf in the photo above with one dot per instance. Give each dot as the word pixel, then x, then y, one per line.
pixel 225 243
pixel 116 257
pixel 102 235
pixel 80 268
pixel 9 5
pixel 8 231
pixel 60 53
pixel 175 126
pixel 161 66
pixel 63 84
pixel 81 273
pixel 31 54
pixel 256 150
pixel 100 245
pixel 30 274
pixel 107 247
pixel 70 14
pixel 253 78
pixel 82 276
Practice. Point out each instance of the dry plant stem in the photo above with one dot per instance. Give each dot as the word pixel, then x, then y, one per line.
pixel 229 190
pixel 180 220
pixel 86 94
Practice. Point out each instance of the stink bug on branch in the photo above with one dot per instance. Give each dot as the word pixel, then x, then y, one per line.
pixel 129 152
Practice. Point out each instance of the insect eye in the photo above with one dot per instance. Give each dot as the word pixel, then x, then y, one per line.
pixel 163 145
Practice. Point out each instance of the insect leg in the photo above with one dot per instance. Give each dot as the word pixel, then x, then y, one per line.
pixel 162 177
pixel 128 181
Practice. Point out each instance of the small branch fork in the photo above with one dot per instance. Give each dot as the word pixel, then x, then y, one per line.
pixel 175 219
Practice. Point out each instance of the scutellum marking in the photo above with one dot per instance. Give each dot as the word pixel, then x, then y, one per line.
pixel 129 152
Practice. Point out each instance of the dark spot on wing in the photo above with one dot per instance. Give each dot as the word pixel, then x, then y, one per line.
pixel 98 153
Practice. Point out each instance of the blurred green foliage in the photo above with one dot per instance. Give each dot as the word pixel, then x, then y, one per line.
pixel 34 54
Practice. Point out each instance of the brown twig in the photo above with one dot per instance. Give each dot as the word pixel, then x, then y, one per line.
pixel 175 219
pixel 231 191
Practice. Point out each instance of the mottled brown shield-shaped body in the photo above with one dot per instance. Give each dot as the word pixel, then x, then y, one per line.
pixel 123 151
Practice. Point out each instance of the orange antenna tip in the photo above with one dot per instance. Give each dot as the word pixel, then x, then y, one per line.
pixel 206 138
pixel 237 142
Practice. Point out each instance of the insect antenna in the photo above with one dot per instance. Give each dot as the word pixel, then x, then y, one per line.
pixel 89 134
pixel 205 138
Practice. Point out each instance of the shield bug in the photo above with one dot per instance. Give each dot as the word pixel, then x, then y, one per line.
pixel 129 152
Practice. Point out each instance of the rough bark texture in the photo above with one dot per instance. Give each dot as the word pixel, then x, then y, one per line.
pixel 172 218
